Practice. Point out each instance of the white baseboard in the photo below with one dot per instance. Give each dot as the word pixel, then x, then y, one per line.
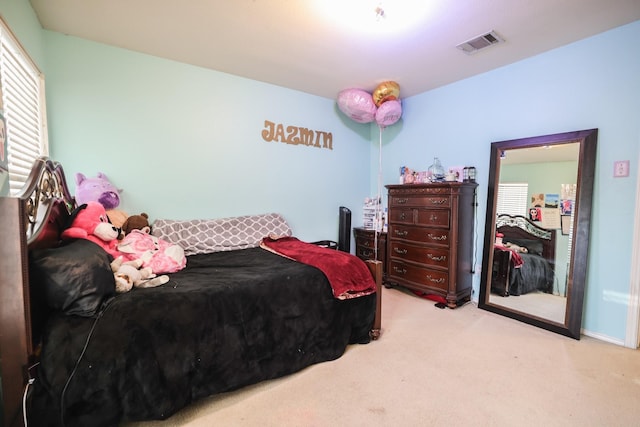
pixel 603 337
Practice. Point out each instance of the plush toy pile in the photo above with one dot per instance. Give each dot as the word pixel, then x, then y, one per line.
pixel 138 243
pixel 131 274
pixel 138 256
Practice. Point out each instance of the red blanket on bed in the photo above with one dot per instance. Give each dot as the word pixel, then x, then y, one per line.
pixel 348 275
pixel 516 259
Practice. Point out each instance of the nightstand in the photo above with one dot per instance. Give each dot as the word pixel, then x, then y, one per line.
pixel 365 246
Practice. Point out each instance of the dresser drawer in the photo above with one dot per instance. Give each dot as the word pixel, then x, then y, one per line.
pixel 425 201
pixel 432 236
pixel 418 275
pixel 437 257
pixel 365 253
pixel 402 215
pixel 433 217
pixel 365 241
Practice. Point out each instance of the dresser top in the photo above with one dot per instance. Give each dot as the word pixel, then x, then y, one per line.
pixel 444 184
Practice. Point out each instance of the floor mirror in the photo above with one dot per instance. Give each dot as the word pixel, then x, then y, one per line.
pixel 536 240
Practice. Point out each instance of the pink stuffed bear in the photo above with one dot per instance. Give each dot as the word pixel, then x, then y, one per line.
pixel 160 255
pixel 90 221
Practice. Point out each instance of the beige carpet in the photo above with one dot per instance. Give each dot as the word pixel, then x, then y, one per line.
pixel 433 367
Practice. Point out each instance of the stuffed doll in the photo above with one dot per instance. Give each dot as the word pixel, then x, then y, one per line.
pixel 137 222
pixel 160 255
pixel 89 221
pixel 97 189
pixel 129 274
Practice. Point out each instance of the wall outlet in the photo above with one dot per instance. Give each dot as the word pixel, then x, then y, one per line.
pixel 621 168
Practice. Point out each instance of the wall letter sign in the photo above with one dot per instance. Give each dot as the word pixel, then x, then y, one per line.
pixel 296 135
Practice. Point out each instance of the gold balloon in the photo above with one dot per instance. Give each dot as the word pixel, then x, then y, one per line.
pixel 386 91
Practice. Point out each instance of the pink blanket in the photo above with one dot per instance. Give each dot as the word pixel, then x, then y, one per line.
pixel 348 275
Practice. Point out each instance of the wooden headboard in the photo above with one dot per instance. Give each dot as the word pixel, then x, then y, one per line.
pixel 32 219
pixel 519 227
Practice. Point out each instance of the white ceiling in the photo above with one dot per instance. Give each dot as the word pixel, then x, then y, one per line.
pixel 302 45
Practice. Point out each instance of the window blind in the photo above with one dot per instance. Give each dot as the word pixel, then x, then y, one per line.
pixel 512 198
pixel 23 107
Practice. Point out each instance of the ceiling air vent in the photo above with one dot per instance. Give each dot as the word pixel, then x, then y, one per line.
pixel 480 42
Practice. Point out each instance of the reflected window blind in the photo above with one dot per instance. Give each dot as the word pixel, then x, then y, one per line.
pixel 23 107
pixel 512 198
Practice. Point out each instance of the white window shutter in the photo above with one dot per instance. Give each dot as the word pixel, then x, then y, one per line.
pixel 23 107
pixel 512 198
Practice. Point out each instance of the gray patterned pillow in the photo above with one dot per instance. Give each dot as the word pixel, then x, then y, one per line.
pixel 200 236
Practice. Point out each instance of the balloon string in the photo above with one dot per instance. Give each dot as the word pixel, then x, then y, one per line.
pixel 378 220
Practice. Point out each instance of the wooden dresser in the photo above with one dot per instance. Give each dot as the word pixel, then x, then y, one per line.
pixel 430 238
pixel 365 244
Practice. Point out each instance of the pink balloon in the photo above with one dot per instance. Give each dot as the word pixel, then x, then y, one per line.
pixel 357 104
pixel 388 113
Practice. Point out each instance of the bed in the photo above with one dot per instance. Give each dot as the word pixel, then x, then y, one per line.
pixel 233 317
pixel 525 260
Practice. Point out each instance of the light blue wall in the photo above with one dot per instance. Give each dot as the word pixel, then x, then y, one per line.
pixel 594 83
pixel 185 142
pixel 24 24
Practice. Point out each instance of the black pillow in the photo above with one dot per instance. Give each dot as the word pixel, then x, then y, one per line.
pixel 75 278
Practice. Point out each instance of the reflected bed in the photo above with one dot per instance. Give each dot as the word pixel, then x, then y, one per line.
pixel 525 260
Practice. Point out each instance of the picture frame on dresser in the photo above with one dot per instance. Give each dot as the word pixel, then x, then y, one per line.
pixel 430 239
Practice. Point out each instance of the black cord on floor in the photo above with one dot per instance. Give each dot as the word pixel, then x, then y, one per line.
pixel 104 308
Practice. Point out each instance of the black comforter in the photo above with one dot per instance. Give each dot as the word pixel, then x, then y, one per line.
pixel 535 274
pixel 228 320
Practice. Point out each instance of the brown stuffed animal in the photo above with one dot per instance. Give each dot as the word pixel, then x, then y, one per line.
pixel 137 222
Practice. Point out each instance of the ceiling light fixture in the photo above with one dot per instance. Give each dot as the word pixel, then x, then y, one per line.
pixel 377 17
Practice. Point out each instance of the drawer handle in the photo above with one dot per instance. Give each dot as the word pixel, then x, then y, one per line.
pixel 433 217
pixel 401 233
pixel 400 251
pixel 403 215
pixel 437 258
pixel 432 280
pixel 367 244
pixel 433 237
pixel 399 270
pixel 366 253
pixel 439 201
pixel 402 201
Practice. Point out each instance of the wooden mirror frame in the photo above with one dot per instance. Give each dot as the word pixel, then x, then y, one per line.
pixel 580 246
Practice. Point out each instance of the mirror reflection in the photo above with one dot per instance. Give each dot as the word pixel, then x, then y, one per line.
pixel 535 198
pixel 537 229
